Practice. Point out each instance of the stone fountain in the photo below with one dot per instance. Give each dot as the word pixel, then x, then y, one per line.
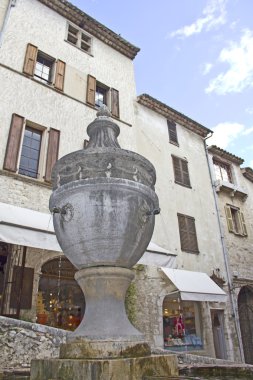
pixel 104 208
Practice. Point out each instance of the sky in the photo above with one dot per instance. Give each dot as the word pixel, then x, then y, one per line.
pixel 196 56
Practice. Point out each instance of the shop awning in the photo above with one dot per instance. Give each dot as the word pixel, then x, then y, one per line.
pixel 194 286
pixel 27 227
pixel 35 229
pixel 158 256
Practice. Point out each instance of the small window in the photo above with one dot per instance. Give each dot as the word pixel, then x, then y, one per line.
pixel 172 129
pixel 79 38
pixel 30 153
pixel 222 171
pixel 44 68
pixel 101 95
pixel 187 232
pixel 235 220
pixel 181 172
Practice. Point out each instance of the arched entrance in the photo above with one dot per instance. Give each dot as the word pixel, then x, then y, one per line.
pixel 245 308
pixel 60 301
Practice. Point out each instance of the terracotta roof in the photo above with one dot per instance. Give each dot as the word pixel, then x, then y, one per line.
pixel 224 154
pixel 248 173
pixel 173 115
pixel 86 22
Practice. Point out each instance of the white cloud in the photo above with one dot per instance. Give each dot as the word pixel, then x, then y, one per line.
pixel 207 68
pixel 251 164
pixel 247 131
pixel 239 56
pixel 225 133
pixel 249 110
pixel 213 15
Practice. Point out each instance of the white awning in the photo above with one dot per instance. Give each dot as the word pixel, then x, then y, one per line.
pixel 194 286
pixel 27 227
pixel 158 256
pixel 31 228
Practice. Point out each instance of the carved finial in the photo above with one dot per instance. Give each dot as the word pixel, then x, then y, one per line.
pixel 103 111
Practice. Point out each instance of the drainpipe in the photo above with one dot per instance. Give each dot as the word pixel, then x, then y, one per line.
pixel 11 4
pixel 226 260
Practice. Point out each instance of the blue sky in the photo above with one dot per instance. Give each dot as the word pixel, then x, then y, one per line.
pixel 196 56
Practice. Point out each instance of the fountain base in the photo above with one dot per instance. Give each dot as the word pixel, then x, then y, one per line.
pixel 142 368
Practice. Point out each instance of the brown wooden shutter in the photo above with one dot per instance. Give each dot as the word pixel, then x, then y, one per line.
pixel 187 232
pixel 59 75
pixel 177 169
pixel 24 294
pixel 30 59
pixel 114 102
pixel 52 152
pixel 181 171
pixel 229 219
pixel 185 173
pixel 172 128
pixel 13 144
pixel 243 224
pixel 91 90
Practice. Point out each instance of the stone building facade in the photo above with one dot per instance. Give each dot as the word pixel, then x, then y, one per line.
pixel 66 64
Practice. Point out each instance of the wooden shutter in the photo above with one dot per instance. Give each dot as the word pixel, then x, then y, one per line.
pixel 59 75
pixel 187 232
pixel 229 219
pixel 172 128
pixel 22 295
pixel 181 171
pixel 91 90
pixel 52 152
pixel 114 102
pixel 242 223
pixel 13 144
pixel 30 59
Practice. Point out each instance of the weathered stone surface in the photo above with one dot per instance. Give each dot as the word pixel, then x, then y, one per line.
pixel 123 369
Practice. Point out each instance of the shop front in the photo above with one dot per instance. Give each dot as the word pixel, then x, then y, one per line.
pixel 182 318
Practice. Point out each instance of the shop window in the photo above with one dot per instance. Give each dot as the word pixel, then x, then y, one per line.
pixel 172 129
pixel 44 68
pixel 60 300
pixel 222 171
pixel 27 147
pixel 235 220
pixel 181 171
pixel 181 325
pixel 79 38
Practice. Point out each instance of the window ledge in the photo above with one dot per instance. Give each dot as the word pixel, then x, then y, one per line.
pixel 25 179
pixel 231 189
pixel 77 47
pixel 174 143
pixel 182 184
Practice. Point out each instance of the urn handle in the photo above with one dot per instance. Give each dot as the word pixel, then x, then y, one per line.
pixel 66 212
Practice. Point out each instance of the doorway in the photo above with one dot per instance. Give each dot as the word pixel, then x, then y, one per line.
pixel 218 334
pixel 245 309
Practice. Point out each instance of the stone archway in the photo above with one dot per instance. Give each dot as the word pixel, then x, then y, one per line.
pixel 60 301
pixel 245 308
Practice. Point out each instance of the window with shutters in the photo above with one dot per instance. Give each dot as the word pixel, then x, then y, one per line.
pixel 98 94
pixel 235 220
pixel 32 150
pixel 181 172
pixel 44 68
pixel 187 232
pixel 79 38
pixel 222 170
pixel 172 129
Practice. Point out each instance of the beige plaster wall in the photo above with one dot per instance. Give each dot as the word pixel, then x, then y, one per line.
pixel 3 9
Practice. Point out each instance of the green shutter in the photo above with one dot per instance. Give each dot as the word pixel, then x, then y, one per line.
pixel 229 219
pixel 243 225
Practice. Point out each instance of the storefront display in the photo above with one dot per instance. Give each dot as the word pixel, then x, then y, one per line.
pixel 181 325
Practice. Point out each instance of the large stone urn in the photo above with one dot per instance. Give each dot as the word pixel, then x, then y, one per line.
pixel 104 206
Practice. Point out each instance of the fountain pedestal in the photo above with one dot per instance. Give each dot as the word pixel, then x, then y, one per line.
pixel 104 207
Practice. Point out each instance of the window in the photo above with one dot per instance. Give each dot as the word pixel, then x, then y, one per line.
pixel 30 153
pixel 181 172
pixel 172 129
pixel 44 68
pixel 26 149
pixel 222 171
pixel 235 220
pixel 98 94
pixel 187 232
pixel 79 38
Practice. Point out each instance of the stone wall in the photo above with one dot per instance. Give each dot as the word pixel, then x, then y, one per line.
pixel 22 341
